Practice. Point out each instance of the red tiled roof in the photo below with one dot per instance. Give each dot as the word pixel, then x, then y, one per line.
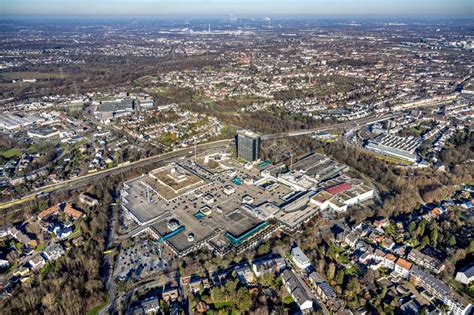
pixel 46 213
pixel 404 264
pixel 390 257
pixel 72 212
pixel 338 188
pixel 436 211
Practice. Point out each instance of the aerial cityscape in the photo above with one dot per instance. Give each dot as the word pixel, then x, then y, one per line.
pixel 236 157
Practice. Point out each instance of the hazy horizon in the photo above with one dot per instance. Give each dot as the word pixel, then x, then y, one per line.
pixel 244 8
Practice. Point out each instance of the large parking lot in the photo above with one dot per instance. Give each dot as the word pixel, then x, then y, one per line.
pixel 140 261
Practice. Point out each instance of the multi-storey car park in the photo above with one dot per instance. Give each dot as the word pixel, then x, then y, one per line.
pixel 226 204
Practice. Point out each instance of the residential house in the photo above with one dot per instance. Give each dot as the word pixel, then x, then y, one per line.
pixel 351 240
pixel 376 236
pixel 48 212
pixel 297 291
pixel 388 243
pixel 365 257
pixel 151 305
pixel 37 262
pixel 431 263
pixel 88 200
pixel 170 294
pixel 245 274
pixel 197 284
pixel 456 304
pixel 60 229
pixel 53 252
pixel 378 255
pixel 402 267
pixel 400 251
pixel 389 261
pixel 381 223
pixel 22 237
pixel 21 272
pixel 299 258
pixel 268 265
pixel 410 307
pixel 466 274
pixel 72 212
pixel 361 230
pixel 323 289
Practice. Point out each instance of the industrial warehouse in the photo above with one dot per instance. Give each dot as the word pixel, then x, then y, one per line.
pixel 399 147
pixel 224 204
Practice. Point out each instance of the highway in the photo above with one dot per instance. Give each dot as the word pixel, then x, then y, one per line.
pixel 94 177
pixel 348 124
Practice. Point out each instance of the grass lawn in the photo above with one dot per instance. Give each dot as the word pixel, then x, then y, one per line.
pixel 98 308
pixel 39 248
pixel 8 154
pixel 76 232
pixel 393 160
pixel 288 300
pixel 389 159
pixel 223 304
pixel 34 148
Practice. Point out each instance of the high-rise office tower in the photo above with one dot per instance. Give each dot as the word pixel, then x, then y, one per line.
pixel 247 144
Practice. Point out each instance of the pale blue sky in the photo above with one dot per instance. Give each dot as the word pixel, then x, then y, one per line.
pixel 464 8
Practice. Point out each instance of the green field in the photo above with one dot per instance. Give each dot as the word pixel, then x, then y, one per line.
pixel 10 153
pixel 29 75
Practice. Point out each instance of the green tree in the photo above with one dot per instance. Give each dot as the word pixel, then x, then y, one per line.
pixel 230 288
pixel 263 249
pixel 471 247
pixel 333 251
pixel 425 241
pixel 331 271
pixel 340 277
pixel 243 300
pixel 217 294
pixel 421 227
pixel 470 291
pixel 353 285
pixel 268 279
pixel 390 230
pixel 412 227
pixel 434 235
pixel 452 241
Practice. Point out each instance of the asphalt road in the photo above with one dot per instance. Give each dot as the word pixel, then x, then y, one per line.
pixel 343 125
